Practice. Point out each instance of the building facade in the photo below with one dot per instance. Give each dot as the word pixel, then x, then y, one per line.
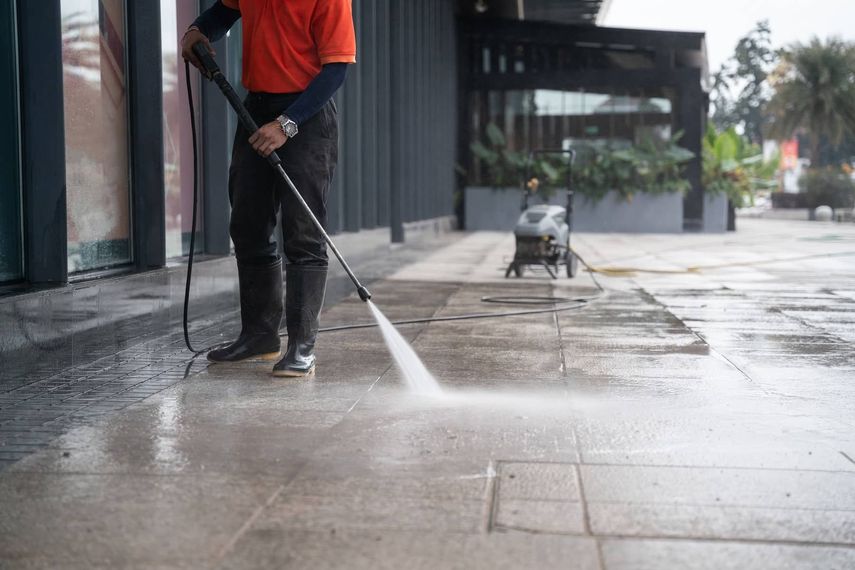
pixel 97 154
pixel 97 169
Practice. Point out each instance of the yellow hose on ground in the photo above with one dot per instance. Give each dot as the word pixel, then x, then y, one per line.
pixel 631 271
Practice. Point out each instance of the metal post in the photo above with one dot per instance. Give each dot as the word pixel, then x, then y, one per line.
pixel 398 119
pixel 146 125
pixel 43 142
pixel 217 133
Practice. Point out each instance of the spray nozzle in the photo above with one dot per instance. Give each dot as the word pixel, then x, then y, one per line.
pixel 364 294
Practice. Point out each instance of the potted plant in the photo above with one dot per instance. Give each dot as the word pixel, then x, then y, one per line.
pixel 734 168
pixel 619 187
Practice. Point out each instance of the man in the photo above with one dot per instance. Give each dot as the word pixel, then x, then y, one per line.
pixel 295 56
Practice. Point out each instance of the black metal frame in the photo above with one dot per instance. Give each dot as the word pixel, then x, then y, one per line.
pixel 217 131
pixel 567 57
pixel 350 163
pixel 145 121
pixel 42 142
pixel 12 162
pixel 398 134
pixel 565 11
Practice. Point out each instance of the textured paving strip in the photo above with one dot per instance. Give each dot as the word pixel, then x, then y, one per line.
pixel 35 413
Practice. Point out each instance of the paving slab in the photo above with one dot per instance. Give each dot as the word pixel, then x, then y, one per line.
pixel 772 488
pixel 538 481
pixel 780 524
pixel 373 510
pixel 550 517
pixel 715 555
pixel 133 518
pixel 392 550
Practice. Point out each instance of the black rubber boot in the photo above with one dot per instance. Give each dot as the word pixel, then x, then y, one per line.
pixel 260 315
pixel 305 286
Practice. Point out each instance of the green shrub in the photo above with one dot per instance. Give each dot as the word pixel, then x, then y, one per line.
pixel 829 186
pixel 650 166
pixel 734 167
pixel 504 167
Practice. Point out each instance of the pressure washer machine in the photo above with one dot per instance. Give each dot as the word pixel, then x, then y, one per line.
pixel 543 231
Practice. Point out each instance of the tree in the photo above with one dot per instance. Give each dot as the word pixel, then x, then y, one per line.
pixel 740 88
pixel 815 93
pixel 734 166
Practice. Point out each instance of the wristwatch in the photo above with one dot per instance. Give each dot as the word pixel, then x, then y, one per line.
pixel 289 127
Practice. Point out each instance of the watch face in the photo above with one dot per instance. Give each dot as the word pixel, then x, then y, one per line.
pixel 289 127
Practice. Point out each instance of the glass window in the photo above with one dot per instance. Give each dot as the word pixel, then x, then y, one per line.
pixel 10 186
pixel 552 119
pixel 96 133
pixel 175 17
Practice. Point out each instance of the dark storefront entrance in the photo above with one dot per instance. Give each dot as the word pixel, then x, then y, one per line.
pixel 548 85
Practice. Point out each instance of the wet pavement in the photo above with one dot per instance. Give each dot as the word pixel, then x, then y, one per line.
pixel 700 414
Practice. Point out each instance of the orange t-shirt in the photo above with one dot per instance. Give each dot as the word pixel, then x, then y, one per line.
pixel 285 42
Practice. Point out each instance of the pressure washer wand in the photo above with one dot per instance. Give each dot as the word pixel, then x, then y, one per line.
pixel 212 72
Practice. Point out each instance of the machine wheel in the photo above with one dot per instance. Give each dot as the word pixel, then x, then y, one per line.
pixel 572 264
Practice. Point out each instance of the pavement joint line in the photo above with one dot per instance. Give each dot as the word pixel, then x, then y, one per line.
pixel 844 454
pixel 540 532
pixel 490 494
pixel 723 506
pixel 493 496
pixel 837 340
pixel 371 387
pixel 716 467
pixel 715 540
pixel 248 523
pixel 586 517
pixel 714 352
pixel 600 557
pixel 561 354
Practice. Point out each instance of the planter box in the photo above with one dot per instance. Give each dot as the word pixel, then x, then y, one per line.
pixel 715 213
pixel 498 210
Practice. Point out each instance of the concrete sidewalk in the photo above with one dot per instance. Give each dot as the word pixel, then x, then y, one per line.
pixel 701 419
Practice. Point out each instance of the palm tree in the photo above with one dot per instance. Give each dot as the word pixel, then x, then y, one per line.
pixel 815 92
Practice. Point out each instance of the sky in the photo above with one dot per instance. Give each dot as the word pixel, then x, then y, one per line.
pixel 725 21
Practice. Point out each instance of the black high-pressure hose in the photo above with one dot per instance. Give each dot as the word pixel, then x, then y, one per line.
pixel 554 304
pixel 193 217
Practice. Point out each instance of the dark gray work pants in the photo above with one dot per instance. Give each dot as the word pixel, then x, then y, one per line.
pixel 257 192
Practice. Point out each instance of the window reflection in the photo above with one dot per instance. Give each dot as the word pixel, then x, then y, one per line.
pixel 554 119
pixel 176 17
pixel 96 133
